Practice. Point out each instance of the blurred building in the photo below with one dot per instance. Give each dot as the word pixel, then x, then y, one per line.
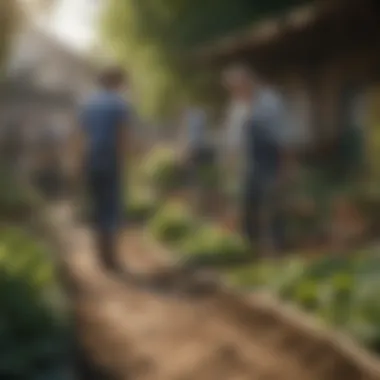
pixel 323 56
pixel 43 73
pixel 46 63
pixel 45 81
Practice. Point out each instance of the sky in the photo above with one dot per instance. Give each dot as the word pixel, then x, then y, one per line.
pixel 73 22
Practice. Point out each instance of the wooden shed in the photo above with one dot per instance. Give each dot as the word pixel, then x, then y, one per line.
pixel 324 56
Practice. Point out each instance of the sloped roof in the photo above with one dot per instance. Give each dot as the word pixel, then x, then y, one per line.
pixel 267 31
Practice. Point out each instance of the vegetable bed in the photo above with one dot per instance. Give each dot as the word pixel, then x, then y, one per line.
pixel 196 242
pixel 33 327
pixel 341 291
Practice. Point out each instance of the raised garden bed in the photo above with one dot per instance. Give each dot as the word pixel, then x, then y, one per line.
pixel 340 291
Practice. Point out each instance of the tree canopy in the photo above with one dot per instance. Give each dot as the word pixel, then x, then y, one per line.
pixel 152 37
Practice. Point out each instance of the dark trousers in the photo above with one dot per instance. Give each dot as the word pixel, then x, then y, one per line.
pixel 105 199
pixel 104 189
pixel 262 216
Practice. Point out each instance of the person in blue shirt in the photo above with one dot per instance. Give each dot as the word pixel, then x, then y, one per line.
pixel 267 141
pixel 104 121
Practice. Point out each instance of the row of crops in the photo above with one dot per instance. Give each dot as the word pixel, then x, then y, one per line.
pixel 34 335
pixel 313 201
pixel 169 219
pixel 342 291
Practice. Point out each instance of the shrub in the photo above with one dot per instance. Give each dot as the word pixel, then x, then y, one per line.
pixel 163 170
pixel 211 240
pixel 209 176
pixel 33 343
pixel 16 202
pixel 336 298
pixel 141 206
pixel 257 276
pixel 172 223
pixel 306 295
pixel 288 277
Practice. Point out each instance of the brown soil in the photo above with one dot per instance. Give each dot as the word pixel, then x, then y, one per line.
pixel 139 333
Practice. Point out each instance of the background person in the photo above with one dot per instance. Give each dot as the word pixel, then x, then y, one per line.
pixel 104 120
pixel 267 140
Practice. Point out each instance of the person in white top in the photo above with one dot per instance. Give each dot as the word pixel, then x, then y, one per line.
pixel 266 140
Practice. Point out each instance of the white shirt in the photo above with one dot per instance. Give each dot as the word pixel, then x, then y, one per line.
pixel 237 115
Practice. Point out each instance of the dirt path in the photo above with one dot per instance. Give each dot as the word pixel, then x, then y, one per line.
pixel 137 334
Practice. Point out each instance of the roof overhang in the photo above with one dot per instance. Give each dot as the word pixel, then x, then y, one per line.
pixel 268 32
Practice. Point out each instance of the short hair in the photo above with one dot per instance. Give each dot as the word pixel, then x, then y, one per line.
pixel 112 77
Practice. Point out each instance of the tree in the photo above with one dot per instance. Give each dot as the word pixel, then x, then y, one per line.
pixel 152 38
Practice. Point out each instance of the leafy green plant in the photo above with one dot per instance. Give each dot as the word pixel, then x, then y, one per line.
pixel 163 170
pixel 33 337
pixel 252 277
pixel 209 176
pixel 212 240
pixel 172 223
pixel 342 291
pixel 327 266
pixel 16 202
pixel 336 298
pixel 141 206
pixel 288 277
pixel 306 295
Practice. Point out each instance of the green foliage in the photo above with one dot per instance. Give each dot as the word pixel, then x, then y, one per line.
pixel 154 37
pixel 343 291
pixel 32 341
pixel 172 223
pixel 209 176
pixel 306 295
pixel 248 278
pixel 141 205
pixel 211 240
pixel 293 274
pixel 162 170
pixel 16 202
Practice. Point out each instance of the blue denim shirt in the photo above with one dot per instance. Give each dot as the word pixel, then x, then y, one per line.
pixel 101 118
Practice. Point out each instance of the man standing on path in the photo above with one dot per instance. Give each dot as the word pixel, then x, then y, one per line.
pixel 104 120
pixel 266 139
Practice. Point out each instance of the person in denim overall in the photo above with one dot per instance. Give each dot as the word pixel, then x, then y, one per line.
pixel 266 140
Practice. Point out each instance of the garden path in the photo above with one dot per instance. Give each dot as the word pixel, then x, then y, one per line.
pixel 136 332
